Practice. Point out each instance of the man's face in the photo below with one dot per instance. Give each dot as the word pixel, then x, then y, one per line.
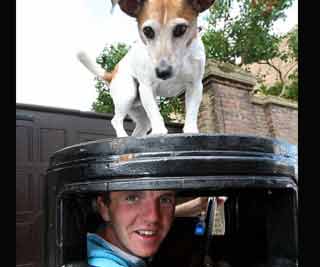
pixel 140 220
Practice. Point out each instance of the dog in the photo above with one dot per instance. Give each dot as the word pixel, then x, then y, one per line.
pixel 167 60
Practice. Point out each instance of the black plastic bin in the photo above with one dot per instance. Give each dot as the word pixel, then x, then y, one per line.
pixel 258 175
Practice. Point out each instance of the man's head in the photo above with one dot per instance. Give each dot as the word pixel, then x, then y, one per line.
pixel 138 220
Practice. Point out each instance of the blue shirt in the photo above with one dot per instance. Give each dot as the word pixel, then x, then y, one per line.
pixel 101 253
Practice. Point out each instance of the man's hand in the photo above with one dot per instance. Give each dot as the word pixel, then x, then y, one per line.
pixel 194 207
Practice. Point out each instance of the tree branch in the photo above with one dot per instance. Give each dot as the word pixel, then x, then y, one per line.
pixel 267 62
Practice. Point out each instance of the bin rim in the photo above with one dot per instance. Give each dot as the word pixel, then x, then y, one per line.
pixel 177 155
pixel 117 146
pixel 182 184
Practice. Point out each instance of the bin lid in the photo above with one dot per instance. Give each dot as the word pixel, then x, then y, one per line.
pixel 176 160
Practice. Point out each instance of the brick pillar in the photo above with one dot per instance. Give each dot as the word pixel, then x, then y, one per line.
pixel 207 121
pixel 276 118
pixel 225 92
pixel 226 106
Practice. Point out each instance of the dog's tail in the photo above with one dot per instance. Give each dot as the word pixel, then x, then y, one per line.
pixel 93 67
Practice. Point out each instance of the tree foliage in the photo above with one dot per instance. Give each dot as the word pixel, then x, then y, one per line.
pixel 293 43
pixel 291 92
pixel 242 29
pixel 107 59
pixel 172 108
pixel 285 88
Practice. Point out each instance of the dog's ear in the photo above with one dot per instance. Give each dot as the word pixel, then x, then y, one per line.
pixel 130 7
pixel 200 5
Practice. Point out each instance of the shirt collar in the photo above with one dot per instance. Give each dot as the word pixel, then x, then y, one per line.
pixel 138 262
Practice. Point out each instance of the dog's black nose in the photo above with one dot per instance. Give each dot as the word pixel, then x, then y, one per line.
pixel 164 72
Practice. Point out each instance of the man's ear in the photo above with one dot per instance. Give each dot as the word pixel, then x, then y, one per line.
pixel 130 7
pixel 103 209
pixel 200 5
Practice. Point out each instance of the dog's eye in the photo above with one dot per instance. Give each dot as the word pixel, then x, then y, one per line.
pixel 148 32
pixel 179 30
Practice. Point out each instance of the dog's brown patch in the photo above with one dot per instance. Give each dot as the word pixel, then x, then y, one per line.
pixel 108 76
pixel 165 10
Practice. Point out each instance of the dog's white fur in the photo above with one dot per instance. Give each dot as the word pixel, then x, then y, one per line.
pixel 135 85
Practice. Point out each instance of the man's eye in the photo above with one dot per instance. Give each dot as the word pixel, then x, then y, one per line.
pixel 148 32
pixel 132 198
pixel 179 30
pixel 166 200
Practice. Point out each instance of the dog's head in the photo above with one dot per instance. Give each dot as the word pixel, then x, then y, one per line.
pixel 167 28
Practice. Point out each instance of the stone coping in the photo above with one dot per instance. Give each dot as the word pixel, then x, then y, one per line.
pixel 228 71
pixel 265 100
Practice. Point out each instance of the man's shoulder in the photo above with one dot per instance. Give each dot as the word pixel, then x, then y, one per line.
pixel 107 262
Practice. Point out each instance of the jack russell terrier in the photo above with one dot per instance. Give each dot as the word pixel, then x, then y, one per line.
pixel 169 59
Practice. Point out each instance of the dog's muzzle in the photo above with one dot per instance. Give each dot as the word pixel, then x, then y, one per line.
pixel 163 71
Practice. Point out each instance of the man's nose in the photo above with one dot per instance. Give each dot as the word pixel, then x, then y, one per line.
pixel 164 70
pixel 151 211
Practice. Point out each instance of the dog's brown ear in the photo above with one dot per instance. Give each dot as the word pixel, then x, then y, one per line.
pixel 200 5
pixel 130 7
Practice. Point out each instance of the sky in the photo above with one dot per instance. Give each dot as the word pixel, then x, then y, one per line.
pixel 49 33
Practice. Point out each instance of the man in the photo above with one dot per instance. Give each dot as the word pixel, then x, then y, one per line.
pixel 137 223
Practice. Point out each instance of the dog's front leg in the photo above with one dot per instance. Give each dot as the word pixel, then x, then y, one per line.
pixel 147 98
pixel 193 99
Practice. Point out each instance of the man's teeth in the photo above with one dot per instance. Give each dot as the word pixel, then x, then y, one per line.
pixel 146 232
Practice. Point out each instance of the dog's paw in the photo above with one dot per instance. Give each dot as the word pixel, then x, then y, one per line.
pixel 190 130
pixel 159 131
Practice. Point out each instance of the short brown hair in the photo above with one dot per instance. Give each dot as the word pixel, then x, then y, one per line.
pixel 106 197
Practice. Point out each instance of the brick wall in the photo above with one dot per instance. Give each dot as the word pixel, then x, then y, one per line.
pixel 228 106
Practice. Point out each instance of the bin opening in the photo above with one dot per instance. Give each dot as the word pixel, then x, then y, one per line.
pixel 258 227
